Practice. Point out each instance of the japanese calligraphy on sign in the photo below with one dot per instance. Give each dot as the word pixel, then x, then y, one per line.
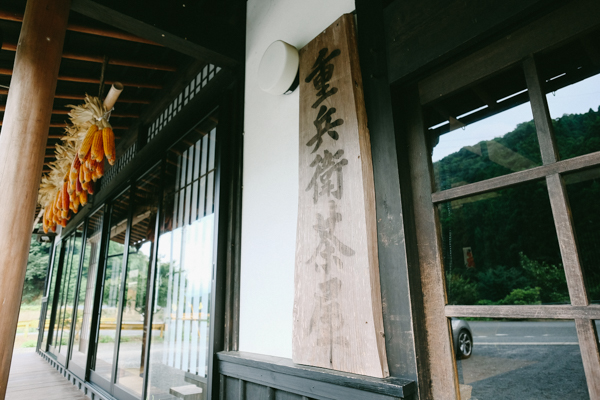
pixel 338 322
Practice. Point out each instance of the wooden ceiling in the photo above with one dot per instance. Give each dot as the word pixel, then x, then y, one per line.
pixel 146 69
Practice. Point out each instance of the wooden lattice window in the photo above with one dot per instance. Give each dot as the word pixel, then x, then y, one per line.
pixel 504 150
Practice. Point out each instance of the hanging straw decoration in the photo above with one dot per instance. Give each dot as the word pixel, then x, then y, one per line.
pixel 79 159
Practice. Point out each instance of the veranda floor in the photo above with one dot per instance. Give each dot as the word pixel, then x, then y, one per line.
pixel 32 378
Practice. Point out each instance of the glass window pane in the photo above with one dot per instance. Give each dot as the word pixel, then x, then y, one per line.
pixel 136 315
pixel 572 85
pixel 482 132
pixel 87 286
pixel 583 189
pixel 105 346
pixel 518 359
pixel 62 277
pixel 69 286
pixel 50 294
pixel 180 328
pixel 501 248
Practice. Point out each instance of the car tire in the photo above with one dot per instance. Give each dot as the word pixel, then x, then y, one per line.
pixel 464 345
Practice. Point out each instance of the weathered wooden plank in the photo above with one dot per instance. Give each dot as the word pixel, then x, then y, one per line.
pixel 541 115
pixel 242 389
pixel 556 188
pixel 574 18
pixel 444 382
pixel 430 31
pixel 529 311
pixel 566 239
pixel 588 341
pixel 338 320
pixel 400 292
pixel 572 164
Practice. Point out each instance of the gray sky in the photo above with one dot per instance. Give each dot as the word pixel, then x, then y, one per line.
pixel 574 99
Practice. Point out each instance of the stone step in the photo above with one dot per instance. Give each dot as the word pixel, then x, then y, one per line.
pixel 188 392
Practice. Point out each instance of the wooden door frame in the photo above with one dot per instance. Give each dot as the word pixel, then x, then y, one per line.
pixel 518 49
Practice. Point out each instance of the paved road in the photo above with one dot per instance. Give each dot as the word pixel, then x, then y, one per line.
pixel 523 360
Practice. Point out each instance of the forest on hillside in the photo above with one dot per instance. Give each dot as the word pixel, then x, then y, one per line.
pixel 501 247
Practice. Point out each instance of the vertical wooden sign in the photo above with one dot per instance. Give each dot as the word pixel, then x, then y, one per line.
pixel 338 321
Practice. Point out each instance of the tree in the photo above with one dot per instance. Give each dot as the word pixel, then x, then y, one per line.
pixel 37 267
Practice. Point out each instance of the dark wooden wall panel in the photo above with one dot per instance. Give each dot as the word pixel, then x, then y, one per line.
pixel 232 388
pixel 428 32
pixel 281 395
pixel 256 391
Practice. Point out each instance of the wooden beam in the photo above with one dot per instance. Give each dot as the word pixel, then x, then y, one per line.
pixel 100 60
pixel 400 277
pixel 440 353
pixel 559 167
pixel 588 342
pixel 17 17
pixel 29 108
pixel 152 33
pixel 64 125
pixel 81 97
pixel 574 18
pixel 526 312
pixel 66 112
pixel 7 71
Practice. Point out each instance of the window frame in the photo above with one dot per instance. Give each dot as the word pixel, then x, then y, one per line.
pixel 520 48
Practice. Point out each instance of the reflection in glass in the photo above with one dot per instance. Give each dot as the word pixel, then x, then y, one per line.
pixel 66 296
pixel 63 269
pixel 133 335
pixel 520 360
pixel 105 346
pixel 583 189
pixel 501 248
pixel 87 285
pixel 482 132
pixel 180 329
pixel 572 84
pixel 576 117
pixel 50 295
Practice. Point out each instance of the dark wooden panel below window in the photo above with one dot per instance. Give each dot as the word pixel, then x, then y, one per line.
pixel 267 377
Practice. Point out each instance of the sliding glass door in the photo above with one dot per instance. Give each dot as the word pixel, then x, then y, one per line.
pixel 184 270
pixel 130 289
pixel 67 281
pixel 85 298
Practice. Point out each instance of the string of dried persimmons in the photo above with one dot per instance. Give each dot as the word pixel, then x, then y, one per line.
pixel 80 158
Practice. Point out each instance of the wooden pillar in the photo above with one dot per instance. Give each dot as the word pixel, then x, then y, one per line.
pixel 22 147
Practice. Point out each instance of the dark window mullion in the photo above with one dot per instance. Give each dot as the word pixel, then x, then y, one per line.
pixel 123 287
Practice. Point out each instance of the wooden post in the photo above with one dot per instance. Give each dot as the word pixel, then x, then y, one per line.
pixel 22 147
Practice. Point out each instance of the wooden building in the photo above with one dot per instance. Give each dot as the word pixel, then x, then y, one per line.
pixel 177 279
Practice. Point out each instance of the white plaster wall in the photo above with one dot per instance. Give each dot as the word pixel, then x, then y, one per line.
pixel 270 201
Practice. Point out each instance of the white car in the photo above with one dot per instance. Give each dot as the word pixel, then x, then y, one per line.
pixel 462 338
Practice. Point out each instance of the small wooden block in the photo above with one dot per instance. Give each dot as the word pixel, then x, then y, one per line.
pixel 188 392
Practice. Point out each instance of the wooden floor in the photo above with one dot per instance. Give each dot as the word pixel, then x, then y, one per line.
pixel 32 378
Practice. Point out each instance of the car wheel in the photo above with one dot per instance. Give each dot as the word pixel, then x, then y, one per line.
pixel 465 344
